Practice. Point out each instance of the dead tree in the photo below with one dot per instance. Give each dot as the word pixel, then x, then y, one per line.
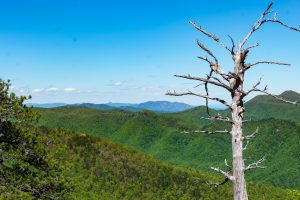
pixel 233 82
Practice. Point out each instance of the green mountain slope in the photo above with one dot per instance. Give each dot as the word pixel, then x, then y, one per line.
pixel 84 119
pixel 98 169
pixel 263 106
pixel 194 115
pixel 260 107
pixel 161 136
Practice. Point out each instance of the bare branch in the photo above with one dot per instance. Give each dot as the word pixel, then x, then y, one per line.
pixel 206 90
pixel 232 45
pixel 275 96
pixel 215 38
pixel 199 85
pixel 207 60
pixel 218 82
pixel 215 78
pixel 226 174
pixel 223 85
pixel 218 118
pixel 252 46
pixel 217 184
pixel 248 66
pixel 245 147
pixel 184 131
pixel 212 132
pixel 256 164
pixel 226 163
pixel 206 100
pixel 207 50
pixel 199 95
pixel 262 21
pixel 215 67
pixel 247 120
pixel 256 26
pixel 254 87
pixel 281 23
pixel 252 135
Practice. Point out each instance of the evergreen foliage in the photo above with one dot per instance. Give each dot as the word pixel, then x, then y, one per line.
pixel 98 169
pixel 162 136
pixel 24 169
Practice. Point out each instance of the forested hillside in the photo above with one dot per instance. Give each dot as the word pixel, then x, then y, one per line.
pixel 164 137
pixel 260 107
pixel 92 168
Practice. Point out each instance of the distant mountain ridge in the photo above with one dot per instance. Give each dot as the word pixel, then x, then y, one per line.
pixel 46 105
pixel 158 106
pixel 255 105
pixel 164 106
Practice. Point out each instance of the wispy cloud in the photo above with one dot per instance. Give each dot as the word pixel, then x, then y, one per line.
pixel 70 89
pixel 117 83
pixel 38 90
pixel 45 90
pixel 52 89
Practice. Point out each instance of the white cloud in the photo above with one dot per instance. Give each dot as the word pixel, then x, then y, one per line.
pixel 117 83
pixel 70 89
pixel 38 90
pixel 52 89
pixel 44 90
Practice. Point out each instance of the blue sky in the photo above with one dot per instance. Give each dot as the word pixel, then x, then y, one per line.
pixel 127 51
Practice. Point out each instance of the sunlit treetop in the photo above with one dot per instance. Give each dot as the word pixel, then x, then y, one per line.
pixel 12 107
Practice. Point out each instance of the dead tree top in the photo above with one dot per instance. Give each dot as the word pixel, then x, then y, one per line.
pixel 231 77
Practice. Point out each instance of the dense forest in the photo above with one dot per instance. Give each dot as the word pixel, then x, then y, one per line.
pixel 92 168
pixel 163 136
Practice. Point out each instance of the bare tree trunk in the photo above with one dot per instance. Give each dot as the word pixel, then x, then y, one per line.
pixel 239 183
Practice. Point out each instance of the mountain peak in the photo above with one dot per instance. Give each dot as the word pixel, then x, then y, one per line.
pixel 290 95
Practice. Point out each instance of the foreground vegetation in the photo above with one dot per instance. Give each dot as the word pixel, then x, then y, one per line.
pixel 97 169
pixel 25 170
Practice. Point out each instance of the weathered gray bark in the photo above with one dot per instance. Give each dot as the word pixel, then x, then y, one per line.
pixel 233 83
pixel 239 183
